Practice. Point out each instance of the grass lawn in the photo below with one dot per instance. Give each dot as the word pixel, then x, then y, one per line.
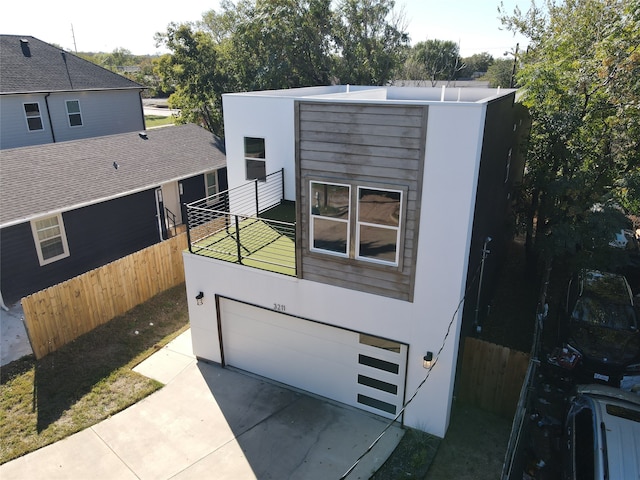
pixel 157 120
pixel 87 380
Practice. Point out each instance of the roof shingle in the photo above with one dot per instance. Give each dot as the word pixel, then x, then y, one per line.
pixel 61 176
pixel 29 65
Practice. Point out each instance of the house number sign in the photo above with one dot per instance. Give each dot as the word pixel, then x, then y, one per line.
pixel 278 307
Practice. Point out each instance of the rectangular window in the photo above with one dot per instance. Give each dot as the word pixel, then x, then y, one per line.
pixel 330 218
pixel 73 111
pixel 378 225
pixel 34 119
pixel 211 183
pixel 50 239
pixel 255 158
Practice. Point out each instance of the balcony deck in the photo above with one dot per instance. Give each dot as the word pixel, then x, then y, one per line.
pixel 264 239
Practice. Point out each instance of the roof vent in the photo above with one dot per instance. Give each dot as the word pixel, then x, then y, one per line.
pixel 143 135
pixel 24 45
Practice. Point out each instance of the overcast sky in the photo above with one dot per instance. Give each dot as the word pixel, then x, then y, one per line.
pixel 105 26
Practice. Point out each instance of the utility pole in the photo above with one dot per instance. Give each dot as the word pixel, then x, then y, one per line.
pixel 73 35
pixel 513 70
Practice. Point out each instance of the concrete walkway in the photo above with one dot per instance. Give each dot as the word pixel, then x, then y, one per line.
pixel 214 423
pixel 14 342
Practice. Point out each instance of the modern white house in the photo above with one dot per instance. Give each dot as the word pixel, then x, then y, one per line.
pixel 354 223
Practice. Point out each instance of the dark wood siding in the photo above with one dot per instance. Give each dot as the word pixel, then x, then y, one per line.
pixel 96 234
pixel 361 145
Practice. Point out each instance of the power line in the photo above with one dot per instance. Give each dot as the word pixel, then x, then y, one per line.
pixel 424 380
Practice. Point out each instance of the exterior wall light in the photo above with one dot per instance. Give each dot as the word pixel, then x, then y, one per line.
pixel 199 298
pixel 427 360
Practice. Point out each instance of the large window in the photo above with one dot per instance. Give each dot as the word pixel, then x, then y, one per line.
pixel 255 158
pixel 378 225
pixel 73 112
pixel 330 218
pixel 50 239
pixel 34 118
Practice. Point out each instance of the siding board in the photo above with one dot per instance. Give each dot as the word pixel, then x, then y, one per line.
pixel 362 145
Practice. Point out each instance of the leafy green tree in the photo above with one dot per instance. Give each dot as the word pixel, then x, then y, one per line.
pixel 371 41
pixel 499 73
pixel 478 62
pixel 192 70
pixel 579 80
pixel 436 60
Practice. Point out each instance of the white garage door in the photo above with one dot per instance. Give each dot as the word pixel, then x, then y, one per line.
pixel 360 370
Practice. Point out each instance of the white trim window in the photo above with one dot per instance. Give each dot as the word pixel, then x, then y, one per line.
pixel 33 116
pixel 73 113
pixel 210 186
pixel 378 225
pixel 50 239
pixel 255 158
pixel 330 218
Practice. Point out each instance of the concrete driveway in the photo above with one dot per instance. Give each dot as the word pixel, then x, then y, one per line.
pixel 214 423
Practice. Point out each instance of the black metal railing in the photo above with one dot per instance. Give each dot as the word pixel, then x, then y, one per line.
pixel 235 226
pixel 171 222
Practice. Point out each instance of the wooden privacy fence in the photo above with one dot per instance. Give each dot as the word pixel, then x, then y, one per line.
pixel 61 313
pixel 492 376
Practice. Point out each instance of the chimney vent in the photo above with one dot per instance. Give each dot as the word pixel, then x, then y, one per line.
pixel 24 45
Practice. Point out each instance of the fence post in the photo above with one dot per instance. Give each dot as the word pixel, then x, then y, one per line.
pixel 238 240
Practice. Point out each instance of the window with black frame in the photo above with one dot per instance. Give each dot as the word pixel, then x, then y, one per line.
pixel 255 158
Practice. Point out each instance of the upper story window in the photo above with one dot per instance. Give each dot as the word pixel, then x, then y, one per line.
pixel 378 225
pixel 50 239
pixel 73 112
pixel 33 116
pixel 255 159
pixel 377 222
pixel 330 204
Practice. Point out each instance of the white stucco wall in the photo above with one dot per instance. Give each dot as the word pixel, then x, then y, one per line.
pixel 271 118
pixel 453 147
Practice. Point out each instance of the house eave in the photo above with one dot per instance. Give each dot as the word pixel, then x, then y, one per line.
pixel 74 90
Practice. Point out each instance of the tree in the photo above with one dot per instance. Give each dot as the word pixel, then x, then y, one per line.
pixel 478 62
pixel 579 81
pixel 437 59
pixel 499 74
pixel 371 41
pixel 192 70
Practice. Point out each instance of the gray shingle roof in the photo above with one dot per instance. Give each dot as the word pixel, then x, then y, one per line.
pixel 36 66
pixel 61 176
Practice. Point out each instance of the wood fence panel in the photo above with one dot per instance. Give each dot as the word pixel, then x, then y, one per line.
pixel 492 376
pixel 61 313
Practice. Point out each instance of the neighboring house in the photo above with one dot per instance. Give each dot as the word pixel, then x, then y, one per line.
pixel 68 207
pixel 48 95
pixel 392 193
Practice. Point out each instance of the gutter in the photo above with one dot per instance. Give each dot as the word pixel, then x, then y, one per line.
pixel 46 102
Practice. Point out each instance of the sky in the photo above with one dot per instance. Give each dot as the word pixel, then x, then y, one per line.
pixel 105 26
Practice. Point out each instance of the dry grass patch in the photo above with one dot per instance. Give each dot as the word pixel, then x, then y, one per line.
pixel 87 380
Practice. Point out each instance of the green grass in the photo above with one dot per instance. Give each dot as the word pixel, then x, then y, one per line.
pixel 157 120
pixel 88 380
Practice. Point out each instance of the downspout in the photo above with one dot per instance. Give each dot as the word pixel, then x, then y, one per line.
pixel 46 102
pixel 144 126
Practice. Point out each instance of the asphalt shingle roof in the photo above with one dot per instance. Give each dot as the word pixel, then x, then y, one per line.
pixel 36 66
pixel 61 176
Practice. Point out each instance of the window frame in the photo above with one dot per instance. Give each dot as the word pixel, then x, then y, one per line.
pixel 27 117
pixel 62 235
pixel 359 224
pixel 207 187
pixel 313 216
pixel 70 114
pixel 248 158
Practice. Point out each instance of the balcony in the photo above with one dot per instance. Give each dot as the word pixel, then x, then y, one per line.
pixel 252 225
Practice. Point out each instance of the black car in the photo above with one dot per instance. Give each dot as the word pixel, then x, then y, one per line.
pixel 602 325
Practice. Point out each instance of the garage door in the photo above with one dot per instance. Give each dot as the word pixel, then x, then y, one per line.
pixel 360 370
